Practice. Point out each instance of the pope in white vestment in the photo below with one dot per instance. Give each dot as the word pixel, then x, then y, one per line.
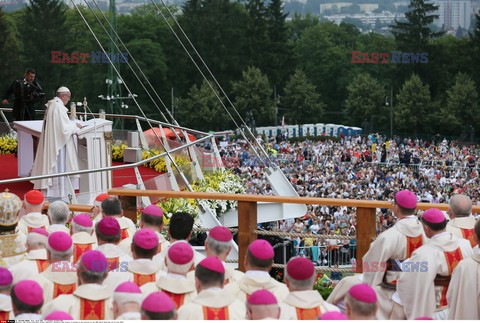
pixel 56 152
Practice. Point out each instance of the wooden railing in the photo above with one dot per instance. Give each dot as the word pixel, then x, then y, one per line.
pixel 247 213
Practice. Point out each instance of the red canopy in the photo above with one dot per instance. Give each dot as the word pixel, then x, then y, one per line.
pixel 152 138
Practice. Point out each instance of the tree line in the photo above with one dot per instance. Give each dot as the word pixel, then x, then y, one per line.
pixel 300 69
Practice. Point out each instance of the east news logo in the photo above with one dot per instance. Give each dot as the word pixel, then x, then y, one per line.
pixel 396 57
pixel 97 57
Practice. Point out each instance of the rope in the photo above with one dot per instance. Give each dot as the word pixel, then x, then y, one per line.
pixel 301 235
pixel 317 268
pixel 322 269
pixel 217 95
pixel 208 229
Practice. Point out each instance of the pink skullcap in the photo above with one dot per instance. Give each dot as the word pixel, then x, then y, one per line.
pixel 94 261
pixel 406 199
pixel 59 315
pixel 221 234
pixel 6 277
pixel 84 220
pixel 146 239
pixel 363 293
pixel 180 253
pixel 262 297
pixel 29 292
pixel 261 249
pixel 333 316
pixel 153 210
pixel 60 241
pixel 109 226
pixel 128 287
pixel 434 216
pixel 34 197
pixel 158 302
pixel 300 268
pixel 213 264
pixel 41 231
pixel 423 318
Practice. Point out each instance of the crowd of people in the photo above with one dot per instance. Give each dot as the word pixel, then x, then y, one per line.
pixel 367 168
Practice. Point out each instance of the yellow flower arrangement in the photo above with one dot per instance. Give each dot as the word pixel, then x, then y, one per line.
pixel 159 164
pixel 8 144
pixel 117 152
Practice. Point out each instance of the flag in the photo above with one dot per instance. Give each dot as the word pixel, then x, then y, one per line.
pixel 283 121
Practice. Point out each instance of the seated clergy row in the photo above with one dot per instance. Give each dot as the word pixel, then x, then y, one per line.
pixel 213 300
pixel 91 269
pixel 431 268
pixel 55 261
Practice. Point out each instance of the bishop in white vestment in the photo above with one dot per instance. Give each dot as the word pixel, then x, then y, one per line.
pixel 391 247
pixel 303 302
pixel 423 292
pixel 464 289
pixel 461 221
pixel 212 302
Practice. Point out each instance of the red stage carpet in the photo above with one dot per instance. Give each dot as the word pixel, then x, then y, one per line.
pixel 9 169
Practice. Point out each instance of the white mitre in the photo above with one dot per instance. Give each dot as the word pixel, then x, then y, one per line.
pixel 63 89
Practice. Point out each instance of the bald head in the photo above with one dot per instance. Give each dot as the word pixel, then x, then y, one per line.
pixel 460 206
pixel 260 312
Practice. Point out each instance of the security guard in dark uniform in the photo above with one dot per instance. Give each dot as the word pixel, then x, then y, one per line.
pixel 27 93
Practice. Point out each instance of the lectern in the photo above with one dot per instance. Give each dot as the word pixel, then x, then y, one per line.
pixel 28 132
pixel 94 151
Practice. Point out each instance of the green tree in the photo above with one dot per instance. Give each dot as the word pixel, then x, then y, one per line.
pixel 217 29
pixel 279 50
pixel 413 35
pixel 474 37
pixel 298 24
pixel 43 31
pixel 84 79
pixel 257 33
pixel 365 102
pixel 253 93
pixel 411 110
pixel 324 53
pixel 201 109
pixel 448 55
pixel 301 100
pixel 462 110
pixel 10 47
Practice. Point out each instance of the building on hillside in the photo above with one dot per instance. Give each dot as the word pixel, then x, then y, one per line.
pixel 368 7
pixel 368 19
pixel 337 5
pixel 453 14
